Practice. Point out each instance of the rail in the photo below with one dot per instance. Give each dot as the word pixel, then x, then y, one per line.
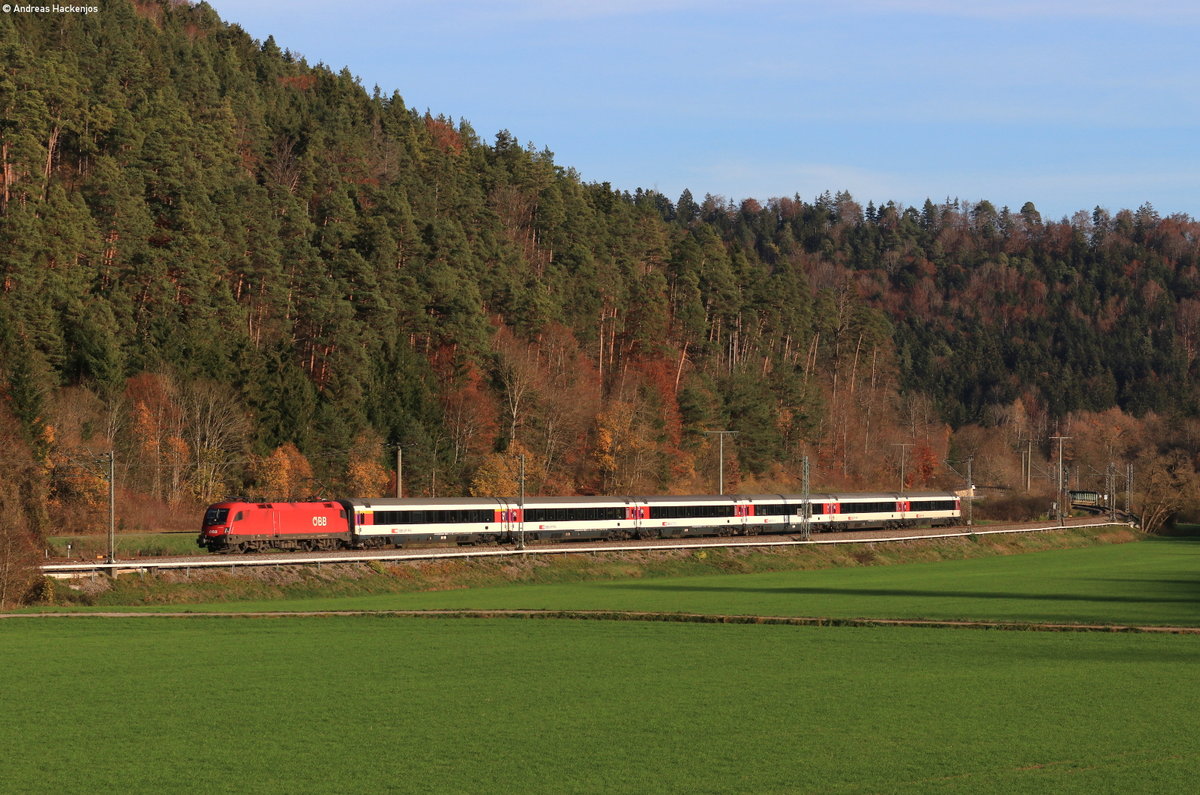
pixel 66 570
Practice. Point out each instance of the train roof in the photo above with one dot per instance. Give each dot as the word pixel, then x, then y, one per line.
pixel 274 503
pixel 487 502
pixel 857 495
pixel 422 502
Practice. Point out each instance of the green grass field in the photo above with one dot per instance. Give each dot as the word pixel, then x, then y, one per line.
pixel 418 705
pixel 299 704
pixel 1151 582
pixel 128 545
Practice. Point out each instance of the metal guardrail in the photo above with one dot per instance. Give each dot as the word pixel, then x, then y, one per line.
pixel 65 570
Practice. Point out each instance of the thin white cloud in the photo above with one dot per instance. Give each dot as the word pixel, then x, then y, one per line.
pixel 992 9
pixel 1166 11
pixel 473 10
pixel 592 8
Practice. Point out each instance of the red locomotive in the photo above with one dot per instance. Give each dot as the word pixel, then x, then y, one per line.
pixel 250 526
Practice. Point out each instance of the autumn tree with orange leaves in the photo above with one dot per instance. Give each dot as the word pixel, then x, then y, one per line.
pixel 500 474
pixel 365 475
pixel 285 474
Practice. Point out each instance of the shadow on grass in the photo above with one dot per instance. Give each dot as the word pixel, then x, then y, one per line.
pixel 901 592
pixel 1182 532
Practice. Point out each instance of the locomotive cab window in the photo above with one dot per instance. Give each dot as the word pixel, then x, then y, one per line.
pixel 238 518
pixel 216 515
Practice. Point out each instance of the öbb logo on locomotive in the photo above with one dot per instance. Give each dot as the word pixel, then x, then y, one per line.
pixel 239 526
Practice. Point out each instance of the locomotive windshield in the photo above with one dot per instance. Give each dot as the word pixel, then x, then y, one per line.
pixel 215 516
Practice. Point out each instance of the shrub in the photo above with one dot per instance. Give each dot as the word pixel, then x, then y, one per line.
pixel 1013 508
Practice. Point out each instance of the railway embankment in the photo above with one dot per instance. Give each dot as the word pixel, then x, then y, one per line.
pixel 286 582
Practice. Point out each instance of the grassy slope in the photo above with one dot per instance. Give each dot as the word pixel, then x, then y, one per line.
pixel 1154 582
pixel 278 585
pixel 365 704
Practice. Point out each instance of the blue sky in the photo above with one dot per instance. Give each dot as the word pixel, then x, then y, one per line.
pixel 1064 103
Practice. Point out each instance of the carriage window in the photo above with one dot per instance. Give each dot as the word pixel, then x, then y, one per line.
pixel 690 511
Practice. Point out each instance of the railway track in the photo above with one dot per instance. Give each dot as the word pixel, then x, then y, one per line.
pixel 65 568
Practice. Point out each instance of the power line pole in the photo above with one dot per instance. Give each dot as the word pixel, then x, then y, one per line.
pixel 970 488
pixel 903 453
pixel 1061 495
pixel 86 460
pixel 1129 490
pixel 1028 464
pixel 970 493
pixel 721 457
pixel 1110 486
pixel 521 504
pixel 1022 454
pixel 399 472
pixel 112 505
pixel 806 511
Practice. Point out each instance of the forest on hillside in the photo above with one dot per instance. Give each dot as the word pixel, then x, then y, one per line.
pixel 245 274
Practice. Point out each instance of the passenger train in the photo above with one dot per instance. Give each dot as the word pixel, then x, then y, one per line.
pixel 371 523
